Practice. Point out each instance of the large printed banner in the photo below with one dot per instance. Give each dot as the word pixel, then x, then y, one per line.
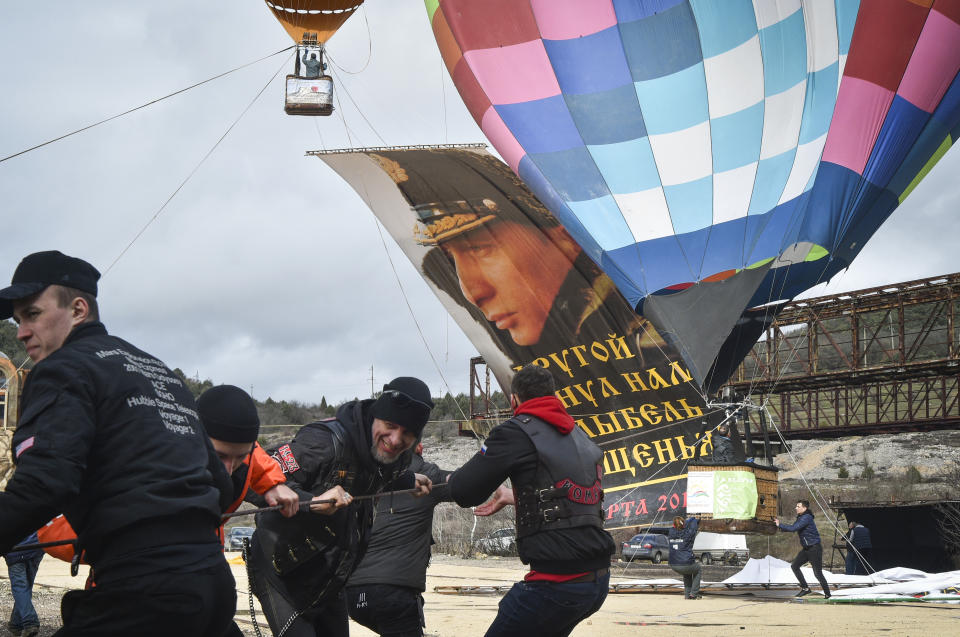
pixel 524 291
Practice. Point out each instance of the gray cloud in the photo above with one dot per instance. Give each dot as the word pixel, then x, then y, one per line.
pixel 266 271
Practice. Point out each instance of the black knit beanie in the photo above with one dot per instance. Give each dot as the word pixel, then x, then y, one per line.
pixel 229 414
pixel 405 401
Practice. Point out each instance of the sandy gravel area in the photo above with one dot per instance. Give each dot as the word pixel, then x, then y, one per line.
pixel 761 613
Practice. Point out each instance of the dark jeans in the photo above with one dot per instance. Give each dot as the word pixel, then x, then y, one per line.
pixel 855 563
pixel 327 620
pixel 691 578
pixel 195 604
pixel 546 609
pixel 814 555
pixel 22 575
pixel 396 611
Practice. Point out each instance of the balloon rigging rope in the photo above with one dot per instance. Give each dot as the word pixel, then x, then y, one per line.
pixel 369 48
pixel 658 517
pixel 815 494
pixel 794 353
pixel 383 241
pixel 416 322
pixel 357 106
pixel 197 167
pixel 343 118
pixel 443 101
pixel 413 315
pixel 137 108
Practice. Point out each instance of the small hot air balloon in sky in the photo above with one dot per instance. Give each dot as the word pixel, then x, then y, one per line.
pixel 311 23
pixel 711 157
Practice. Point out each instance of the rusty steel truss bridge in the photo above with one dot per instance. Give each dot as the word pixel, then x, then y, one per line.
pixel 879 360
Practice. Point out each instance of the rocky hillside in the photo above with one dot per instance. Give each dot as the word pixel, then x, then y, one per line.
pixel 932 454
pixel 923 460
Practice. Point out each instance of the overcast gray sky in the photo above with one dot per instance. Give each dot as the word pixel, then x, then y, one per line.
pixel 266 270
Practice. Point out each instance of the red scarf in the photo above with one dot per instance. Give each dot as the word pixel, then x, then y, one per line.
pixel 548 409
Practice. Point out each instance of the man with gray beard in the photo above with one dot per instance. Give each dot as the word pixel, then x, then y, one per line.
pixel 299 565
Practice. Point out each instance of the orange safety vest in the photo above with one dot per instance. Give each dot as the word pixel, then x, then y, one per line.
pixel 263 473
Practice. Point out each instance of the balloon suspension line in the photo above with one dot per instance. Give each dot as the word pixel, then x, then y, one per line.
pixel 413 315
pixel 343 87
pixel 369 49
pixel 189 176
pixel 137 108
pixel 814 493
pixel 307 503
pixel 416 322
pixel 654 475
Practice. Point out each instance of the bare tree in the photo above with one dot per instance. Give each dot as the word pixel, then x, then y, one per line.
pixel 949 514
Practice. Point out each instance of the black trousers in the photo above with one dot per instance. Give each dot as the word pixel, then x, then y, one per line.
pixel 814 555
pixel 394 611
pixel 196 604
pixel 326 620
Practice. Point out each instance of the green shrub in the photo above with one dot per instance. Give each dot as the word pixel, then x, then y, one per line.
pixel 913 475
pixel 868 473
pixel 843 473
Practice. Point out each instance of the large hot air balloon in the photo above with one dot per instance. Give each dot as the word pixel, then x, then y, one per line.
pixel 711 156
pixel 311 23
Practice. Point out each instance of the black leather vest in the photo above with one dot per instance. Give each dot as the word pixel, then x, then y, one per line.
pixel 566 492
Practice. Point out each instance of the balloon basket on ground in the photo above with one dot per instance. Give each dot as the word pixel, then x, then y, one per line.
pixel 738 498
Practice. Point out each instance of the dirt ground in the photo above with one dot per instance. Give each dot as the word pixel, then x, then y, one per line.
pixel 661 613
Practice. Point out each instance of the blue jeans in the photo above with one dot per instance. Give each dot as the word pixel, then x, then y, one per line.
pixel 22 575
pixel 854 565
pixel 546 608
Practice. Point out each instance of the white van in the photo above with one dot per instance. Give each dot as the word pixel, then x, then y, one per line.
pixel 720 547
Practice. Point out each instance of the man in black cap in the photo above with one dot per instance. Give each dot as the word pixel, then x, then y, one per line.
pixel 298 566
pixel 230 418
pixel 109 436
pixel 555 470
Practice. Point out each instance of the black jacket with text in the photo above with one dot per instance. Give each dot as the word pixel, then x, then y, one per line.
pixel 110 437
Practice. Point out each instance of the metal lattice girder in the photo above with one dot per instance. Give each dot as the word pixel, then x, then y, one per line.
pixel 877 360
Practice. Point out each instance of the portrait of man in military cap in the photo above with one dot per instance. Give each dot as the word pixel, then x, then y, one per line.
pixel 524 291
pixel 525 274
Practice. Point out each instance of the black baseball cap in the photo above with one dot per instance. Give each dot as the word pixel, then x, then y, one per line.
pixel 39 270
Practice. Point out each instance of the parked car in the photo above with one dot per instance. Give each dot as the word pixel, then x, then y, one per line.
pixel 500 542
pixel 646 546
pixel 234 539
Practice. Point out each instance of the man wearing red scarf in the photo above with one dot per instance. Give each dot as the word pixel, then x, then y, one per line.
pixel 555 471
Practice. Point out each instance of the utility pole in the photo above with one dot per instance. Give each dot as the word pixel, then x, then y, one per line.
pixel 371 382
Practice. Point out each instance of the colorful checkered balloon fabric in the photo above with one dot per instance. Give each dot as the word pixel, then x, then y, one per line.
pixel 684 141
